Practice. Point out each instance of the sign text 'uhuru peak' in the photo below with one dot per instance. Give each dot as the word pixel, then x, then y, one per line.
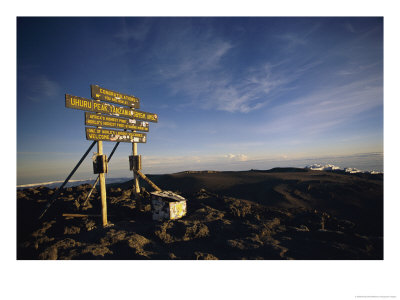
pixel 100 107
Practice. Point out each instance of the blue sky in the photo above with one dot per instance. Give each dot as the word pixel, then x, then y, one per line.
pixel 231 93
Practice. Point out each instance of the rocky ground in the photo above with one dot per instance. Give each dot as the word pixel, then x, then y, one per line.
pixel 275 214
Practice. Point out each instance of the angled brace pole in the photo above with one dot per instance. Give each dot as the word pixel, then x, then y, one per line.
pixel 98 177
pixel 148 180
pixel 54 198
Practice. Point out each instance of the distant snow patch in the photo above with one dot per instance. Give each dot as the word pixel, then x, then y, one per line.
pixel 330 167
pixel 353 171
pixel 323 167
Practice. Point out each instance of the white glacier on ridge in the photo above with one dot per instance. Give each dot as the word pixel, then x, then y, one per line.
pixel 330 167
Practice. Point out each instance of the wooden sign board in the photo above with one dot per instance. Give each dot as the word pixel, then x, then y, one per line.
pixel 92 119
pixel 100 93
pixel 101 107
pixel 101 134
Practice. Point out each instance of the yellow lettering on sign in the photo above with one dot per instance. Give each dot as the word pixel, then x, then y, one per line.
pixel 81 103
pixel 94 122
pixel 138 115
pixel 95 117
pixel 74 102
pixel 115 96
pixel 109 124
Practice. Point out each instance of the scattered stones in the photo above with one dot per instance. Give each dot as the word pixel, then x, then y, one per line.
pixel 204 256
pixel 97 250
pixel 217 226
pixel 90 225
pixel 72 230
pixel 138 242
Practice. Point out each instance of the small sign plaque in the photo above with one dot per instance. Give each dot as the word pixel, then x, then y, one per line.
pixel 101 134
pixel 100 93
pixel 92 119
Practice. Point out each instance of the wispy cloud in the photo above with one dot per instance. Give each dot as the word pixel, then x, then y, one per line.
pixel 350 27
pixel 203 68
pixel 294 40
pixel 192 58
pixel 325 108
pixel 210 85
pixel 136 32
pixel 40 88
pixel 248 94
pixel 358 69
pixel 237 157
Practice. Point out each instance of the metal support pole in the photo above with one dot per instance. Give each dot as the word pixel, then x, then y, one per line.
pixel 112 152
pixel 135 177
pixel 103 193
pixel 136 188
pixel 102 178
pixel 54 198
pixel 91 191
pixel 148 181
pixel 98 177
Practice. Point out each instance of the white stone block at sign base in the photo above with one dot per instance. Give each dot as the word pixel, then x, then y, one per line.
pixel 168 205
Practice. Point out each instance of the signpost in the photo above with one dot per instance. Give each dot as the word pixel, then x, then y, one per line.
pixel 100 115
